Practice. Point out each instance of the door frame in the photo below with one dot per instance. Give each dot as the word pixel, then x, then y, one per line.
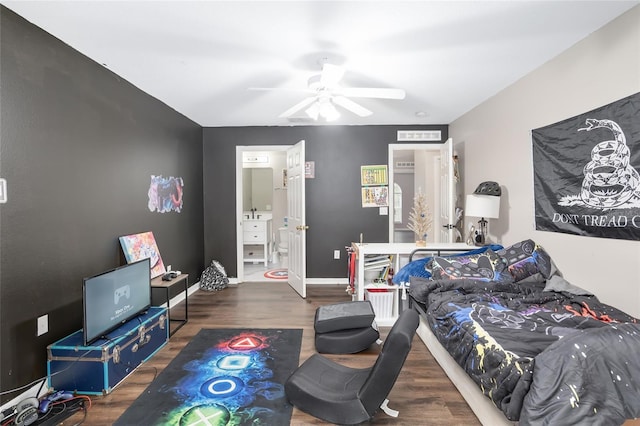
pixel 403 147
pixel 239 195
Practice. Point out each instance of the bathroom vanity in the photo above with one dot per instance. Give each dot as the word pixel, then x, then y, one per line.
pixel 257 237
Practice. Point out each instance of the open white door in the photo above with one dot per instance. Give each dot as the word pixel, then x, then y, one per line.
pixel 447 193
pixel 297 232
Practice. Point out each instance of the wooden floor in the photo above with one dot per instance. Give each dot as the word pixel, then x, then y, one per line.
pixel 423 394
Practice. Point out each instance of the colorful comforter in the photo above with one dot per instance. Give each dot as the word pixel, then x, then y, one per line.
pixel 551 357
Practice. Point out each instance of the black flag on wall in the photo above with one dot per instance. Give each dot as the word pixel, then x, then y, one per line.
pixel 586 179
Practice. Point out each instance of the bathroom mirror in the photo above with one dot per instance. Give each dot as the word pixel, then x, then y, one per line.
pixel 257 188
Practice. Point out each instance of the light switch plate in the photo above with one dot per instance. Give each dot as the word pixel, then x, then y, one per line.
pixel 3 190
pixel 43 324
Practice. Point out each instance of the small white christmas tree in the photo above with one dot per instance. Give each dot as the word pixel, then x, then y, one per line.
pixel 420 219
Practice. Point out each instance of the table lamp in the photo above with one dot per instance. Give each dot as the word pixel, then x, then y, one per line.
pixel 485 204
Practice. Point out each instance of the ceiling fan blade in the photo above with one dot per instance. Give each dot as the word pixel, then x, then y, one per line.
pixel 348 104
pixel 331 75
pixel 297 107
pixel 372 92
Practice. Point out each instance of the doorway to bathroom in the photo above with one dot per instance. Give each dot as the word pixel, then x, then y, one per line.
pixel 262 199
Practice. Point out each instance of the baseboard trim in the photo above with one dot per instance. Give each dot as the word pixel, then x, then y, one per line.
pixel 180 296
pixel 310 281
pixel 327 281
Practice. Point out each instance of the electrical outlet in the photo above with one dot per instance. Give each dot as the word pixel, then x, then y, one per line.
pixel 336 254
pixel 168 268
pixel 43 324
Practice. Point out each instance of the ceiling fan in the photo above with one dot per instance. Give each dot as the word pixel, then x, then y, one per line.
pixel 326 93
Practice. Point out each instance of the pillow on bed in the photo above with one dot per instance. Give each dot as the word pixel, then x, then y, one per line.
pixel 487 266
pixel 422 267
pixel 527 262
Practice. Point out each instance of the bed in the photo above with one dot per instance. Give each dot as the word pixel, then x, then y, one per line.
pixel 521 343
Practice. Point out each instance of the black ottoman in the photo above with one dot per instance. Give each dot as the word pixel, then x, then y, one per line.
pixel 345 328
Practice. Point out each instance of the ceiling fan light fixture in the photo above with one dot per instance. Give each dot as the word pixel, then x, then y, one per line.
pixel 328 111
pixel 323 108
pixel 313 111
pixel 326 93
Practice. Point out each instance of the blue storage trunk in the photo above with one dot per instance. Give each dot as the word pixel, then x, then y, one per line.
pixel 97 369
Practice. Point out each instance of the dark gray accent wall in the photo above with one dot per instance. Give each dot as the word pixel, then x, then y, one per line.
pixel 334 210
pixel 78 146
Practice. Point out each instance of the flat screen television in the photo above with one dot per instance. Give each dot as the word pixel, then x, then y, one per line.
pixel 114 297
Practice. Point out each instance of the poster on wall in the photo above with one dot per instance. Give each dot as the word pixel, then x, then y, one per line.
pixel 309 169
pixel 141 246
pixel 586 173
pixel 165 194
pixel 375 196
pixel 373 175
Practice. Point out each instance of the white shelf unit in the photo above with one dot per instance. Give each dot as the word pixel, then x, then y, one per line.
pixel 399 253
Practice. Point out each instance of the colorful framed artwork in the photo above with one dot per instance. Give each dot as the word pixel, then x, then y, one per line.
pixel 375 196
pixel 142 246
pixel 165 194
pixel 373 175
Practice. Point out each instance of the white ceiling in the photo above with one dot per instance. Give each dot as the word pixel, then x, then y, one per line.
pixel 200 57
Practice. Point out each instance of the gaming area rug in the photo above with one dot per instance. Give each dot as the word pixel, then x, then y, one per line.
pixel 277 274
pixel 222 377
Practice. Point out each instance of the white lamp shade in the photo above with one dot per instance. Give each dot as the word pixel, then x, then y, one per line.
pixel 486 206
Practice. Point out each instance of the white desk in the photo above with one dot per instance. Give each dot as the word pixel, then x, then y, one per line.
pixel 400 253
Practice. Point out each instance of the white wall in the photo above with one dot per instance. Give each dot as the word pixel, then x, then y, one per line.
pixel 495 142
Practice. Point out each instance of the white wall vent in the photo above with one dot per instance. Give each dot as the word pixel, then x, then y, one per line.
pixel 405 164
pixel 249 157
pixel 419 135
